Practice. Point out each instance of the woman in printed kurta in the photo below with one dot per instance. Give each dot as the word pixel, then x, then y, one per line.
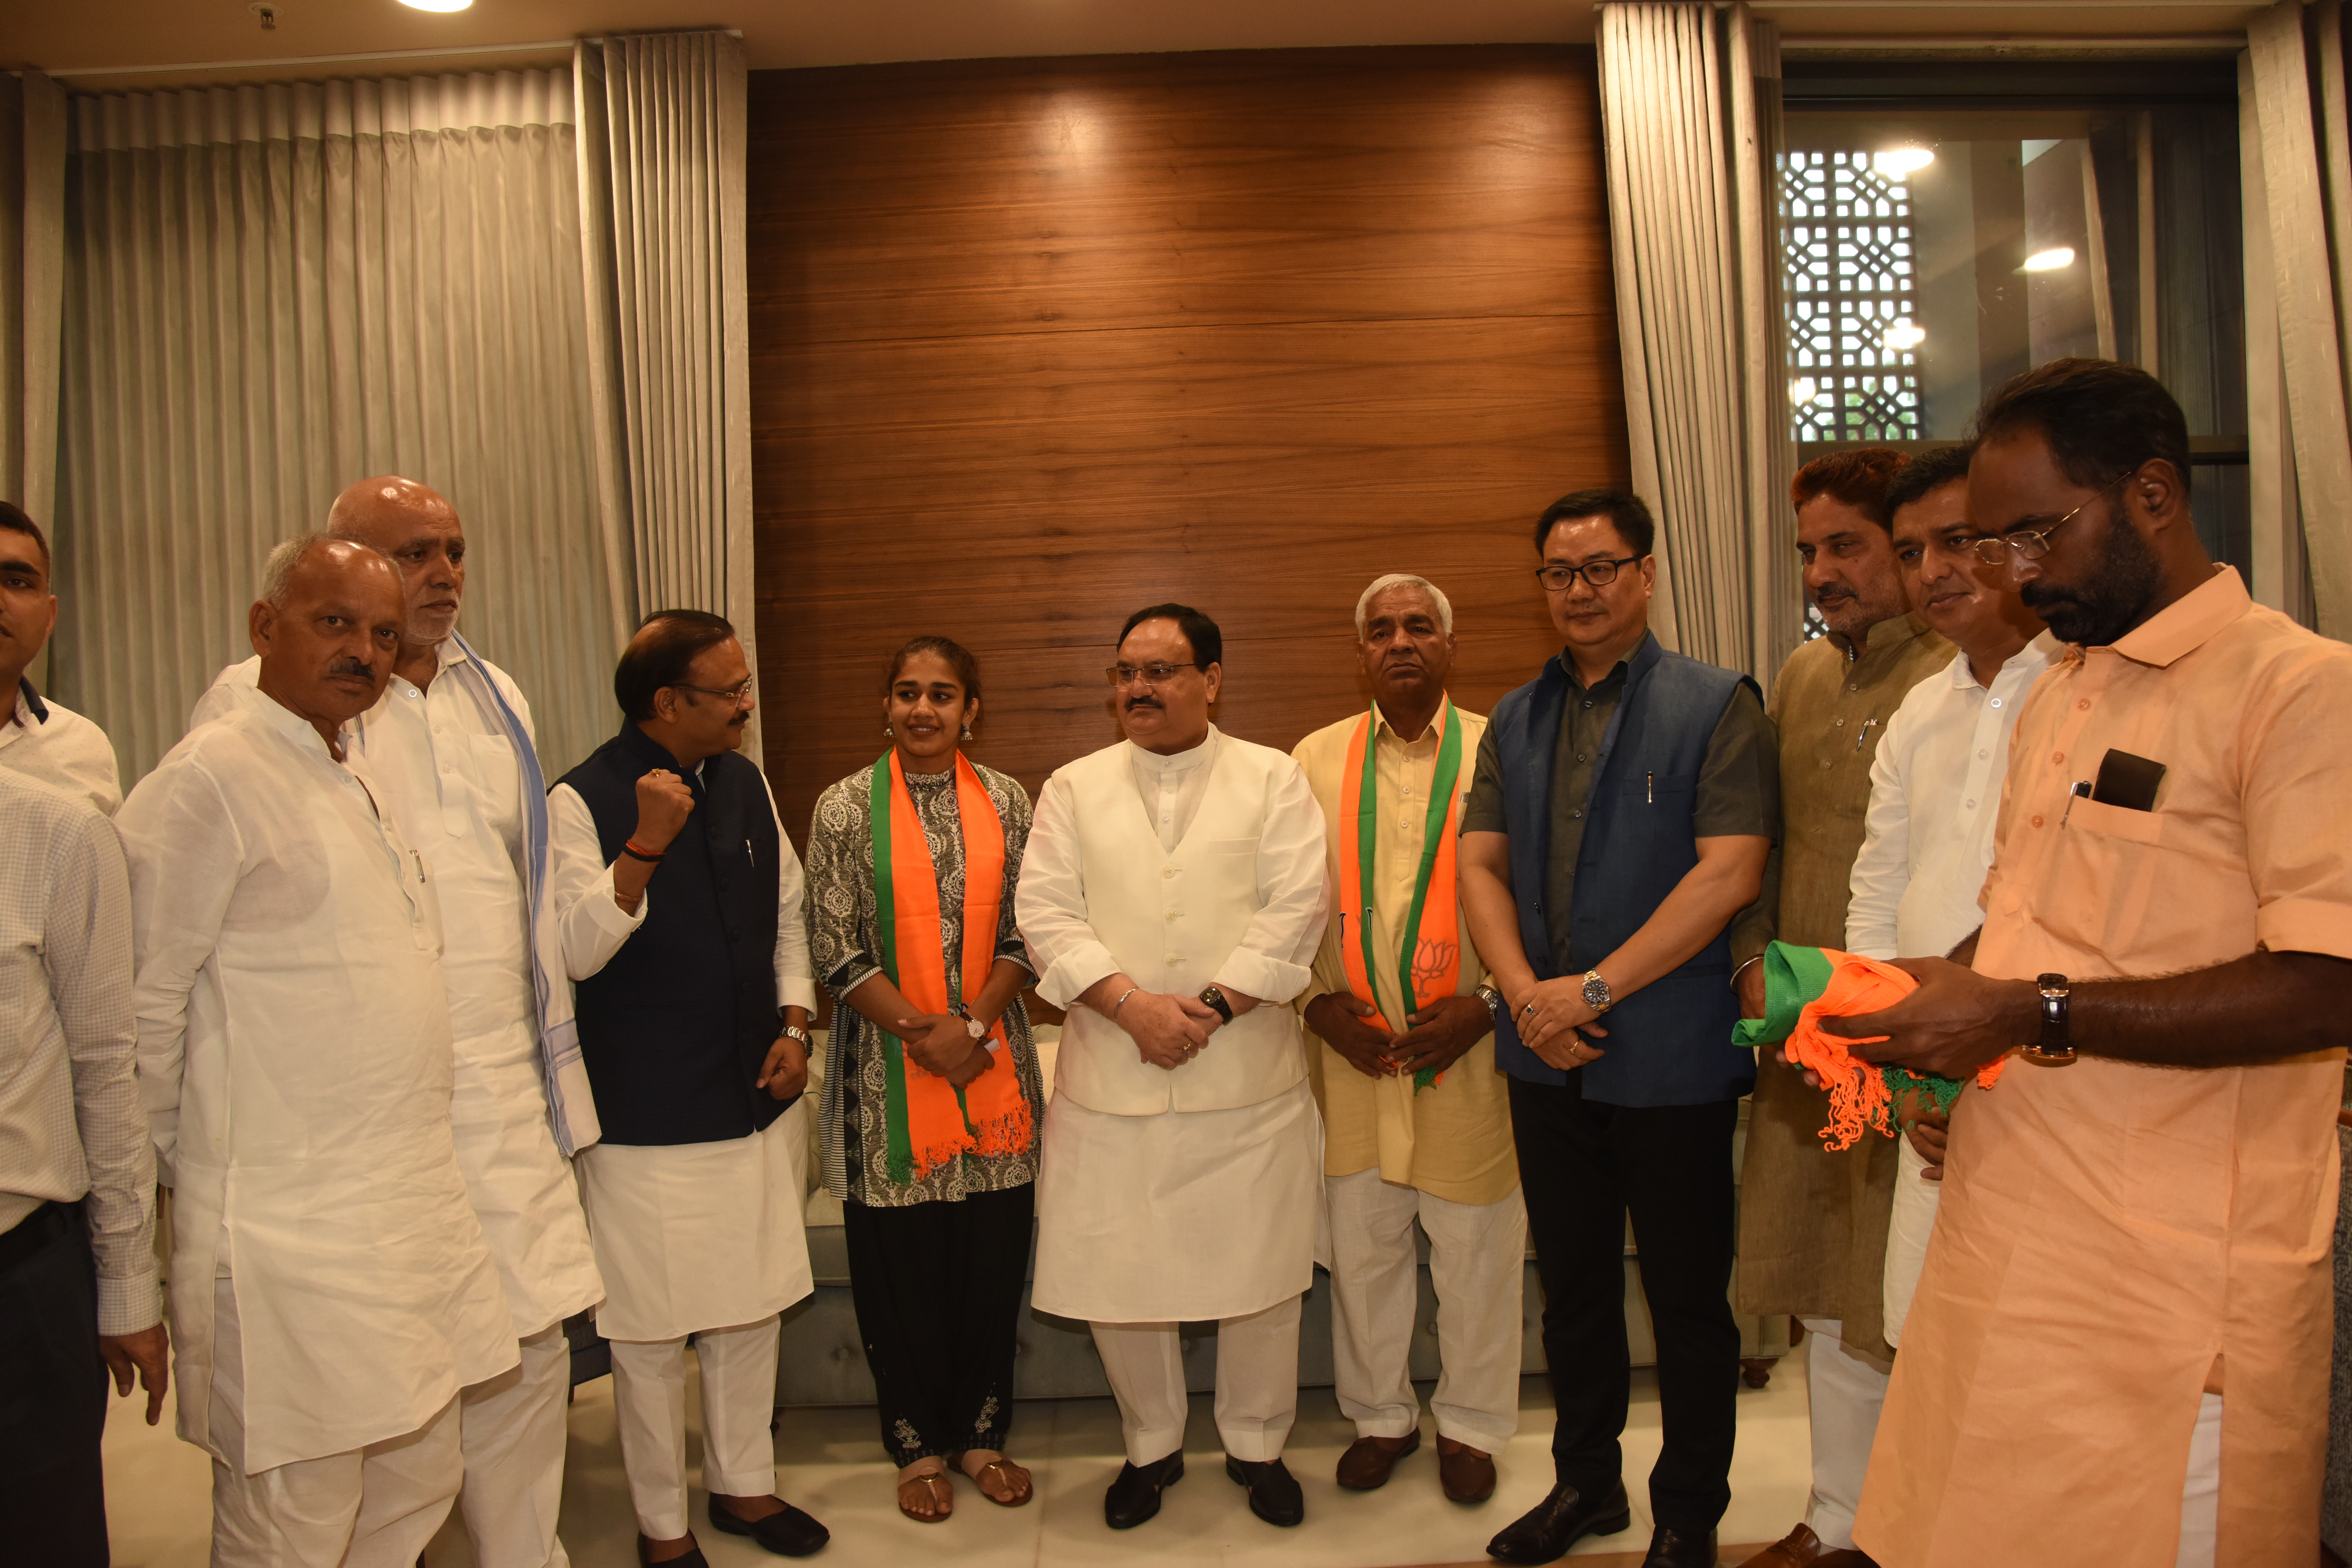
pixel 930 1098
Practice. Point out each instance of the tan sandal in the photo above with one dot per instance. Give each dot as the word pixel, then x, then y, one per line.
pixel 931 1485
pixel 1012 1478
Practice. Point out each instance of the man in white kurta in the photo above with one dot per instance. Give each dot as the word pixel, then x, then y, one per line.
pixel 449 751
pixel 40 737
pixel 332 1290
pixel 1935 793
pixel 1173 897
pixel 681 914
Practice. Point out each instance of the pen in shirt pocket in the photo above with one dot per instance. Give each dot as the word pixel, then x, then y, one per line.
pixel 1649 789
pixel 1863 736
pixel 754 859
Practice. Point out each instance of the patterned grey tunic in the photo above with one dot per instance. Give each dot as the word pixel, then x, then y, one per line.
pixel 844 945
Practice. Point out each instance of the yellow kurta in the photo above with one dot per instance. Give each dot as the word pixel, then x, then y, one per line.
pixel 2110 1232
pixel 1452 1140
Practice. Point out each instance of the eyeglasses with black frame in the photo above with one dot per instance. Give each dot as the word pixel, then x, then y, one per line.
pixel 1149 674
pixel 735 693
pixel 1600 573
pixel 2033 544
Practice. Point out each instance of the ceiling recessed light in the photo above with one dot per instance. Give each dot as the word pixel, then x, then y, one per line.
pixel 2049 260
pixel 437 4
pixel 1897 162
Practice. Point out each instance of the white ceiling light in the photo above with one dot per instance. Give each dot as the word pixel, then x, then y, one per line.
pixel 2049 260
pixel 1897 162
pixel 1903 335
pixel 437 4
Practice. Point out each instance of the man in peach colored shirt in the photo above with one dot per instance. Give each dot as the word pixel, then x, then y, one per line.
pixel 2119 1348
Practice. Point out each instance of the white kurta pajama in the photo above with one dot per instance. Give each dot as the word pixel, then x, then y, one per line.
pixel 449 773
pixel 295 1061
pixel 705 1239
pixel 1191 1194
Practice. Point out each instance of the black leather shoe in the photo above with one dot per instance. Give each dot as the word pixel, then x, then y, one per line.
pixel 1135 1496
pixel 790 1533
pixel 1566 1517
pixel 1672 1548
pixel 1273 1494
pixel 693 1558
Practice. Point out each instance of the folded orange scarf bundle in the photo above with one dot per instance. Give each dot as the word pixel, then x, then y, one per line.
pixel 1803 985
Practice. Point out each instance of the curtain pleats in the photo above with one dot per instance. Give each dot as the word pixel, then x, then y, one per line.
pixel 31 275
pixel 275 290
pixel 2299 309
pixel 672 376
pixel 1690 111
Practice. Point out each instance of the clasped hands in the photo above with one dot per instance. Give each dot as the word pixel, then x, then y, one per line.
pixel 941 1045
pixel 1434 1038
pixel 1555 1022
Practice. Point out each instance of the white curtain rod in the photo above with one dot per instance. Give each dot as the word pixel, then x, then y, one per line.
pixel 543 45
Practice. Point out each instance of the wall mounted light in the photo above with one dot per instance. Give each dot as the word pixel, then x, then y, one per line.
pixel 1802 391
pixel 1896 162
pixel 1903 335
pixel 437 4
pixel 2049 260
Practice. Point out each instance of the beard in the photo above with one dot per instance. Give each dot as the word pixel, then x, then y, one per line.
pixel 2103 606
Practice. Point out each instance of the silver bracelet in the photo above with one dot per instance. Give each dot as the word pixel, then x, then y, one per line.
pixel 1736 974
pixel 1115 1006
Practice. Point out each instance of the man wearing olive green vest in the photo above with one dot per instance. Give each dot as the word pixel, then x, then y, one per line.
pixel 1812 1224
pixel 1417 1123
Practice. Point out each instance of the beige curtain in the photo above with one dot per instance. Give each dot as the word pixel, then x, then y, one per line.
pixel 1690 99
pixel 2297 154
pixel 662 191
pixel 31 275
pixel 273 290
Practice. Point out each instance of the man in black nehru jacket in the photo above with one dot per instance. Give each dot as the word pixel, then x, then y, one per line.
pixel 680 899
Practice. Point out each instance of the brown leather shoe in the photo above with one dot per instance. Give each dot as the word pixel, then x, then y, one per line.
pixel 1365 1466
pixel 1800 1548
pixel 1467 1475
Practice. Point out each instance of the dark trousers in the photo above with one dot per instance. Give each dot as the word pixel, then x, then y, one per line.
pixel 937 1291
pixel 1584 1166
pixel 52 1395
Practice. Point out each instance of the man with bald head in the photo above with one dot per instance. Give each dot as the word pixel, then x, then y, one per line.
pixel 1416 1126
pixel 293 1029
pixel 449 751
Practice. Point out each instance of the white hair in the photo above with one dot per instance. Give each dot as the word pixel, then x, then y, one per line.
pixel 1405 579
pixel 278 570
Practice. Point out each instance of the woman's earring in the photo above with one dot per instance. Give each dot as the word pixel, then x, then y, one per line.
pixel 967 731
pixel 886 731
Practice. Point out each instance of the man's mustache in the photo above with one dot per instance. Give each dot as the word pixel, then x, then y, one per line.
pixel 738 721
pixel 1134 702
pixel 347 665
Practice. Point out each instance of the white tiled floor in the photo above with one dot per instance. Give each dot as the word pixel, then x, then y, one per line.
pixel 833 1466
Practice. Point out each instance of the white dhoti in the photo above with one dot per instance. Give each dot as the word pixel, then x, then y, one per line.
pixel 1478 1262
pixel 1144 1222
pixel 1909 1225
pixel 374 1507
pixel 1186 1217
pixel 704 1239
pixel 1845 1390
pixel 523 1190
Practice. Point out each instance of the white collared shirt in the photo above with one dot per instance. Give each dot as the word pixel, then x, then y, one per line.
pixel 450 775
pixel 43 739
pixel 1273 961
pixel 594 925
pixel 1935 793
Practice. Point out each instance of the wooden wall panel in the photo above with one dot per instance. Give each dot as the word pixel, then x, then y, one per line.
pixel 1036 343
